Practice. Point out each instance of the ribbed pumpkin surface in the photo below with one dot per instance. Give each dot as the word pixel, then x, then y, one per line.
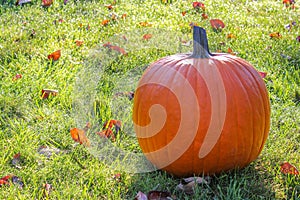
pixel 201 115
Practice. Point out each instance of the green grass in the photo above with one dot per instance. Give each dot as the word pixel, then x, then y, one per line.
pixel 28 122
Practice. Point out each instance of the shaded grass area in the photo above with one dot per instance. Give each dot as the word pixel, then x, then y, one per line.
pixel 30 32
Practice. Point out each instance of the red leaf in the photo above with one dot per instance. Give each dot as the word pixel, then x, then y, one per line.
pixel 217 24
pixel 5 180
pixel 287 168
pixel 109 7
pixel 204 16
pixel 47 92
pixel 17 76
pixel 197 5
pixel 55 55
pixel 263 74
pixel 147 36
pixel 47 3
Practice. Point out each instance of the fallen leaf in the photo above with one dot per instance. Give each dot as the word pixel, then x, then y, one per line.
pixel 229 50
pixel 47 3
pixel 204 16
pixel 79 135
pixel 217 24
pixel 16 77
pixel 113 16
pixel 141 196
pixel 21 2
pixel 124 16
pixel 183 13
pixel 47 92
pixel 147 36
pixel 105 22
pixel 16 161
pixel 230 36
pixel 275 35
pixel 78 42
pixel 117 177
pixel 5 180
pixel 17 181
pixel 263 74
pixel 198 5
pixel 109 6
pixel 48 151
pixel 159 195
pixel 55 55
pixel 47 189
pixel 145 24
pixel 287 168
pixel 110 123
pixel 129 95
pixel 116 48
pixel 191 183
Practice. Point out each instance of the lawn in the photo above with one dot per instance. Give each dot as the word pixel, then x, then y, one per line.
pixel 90 82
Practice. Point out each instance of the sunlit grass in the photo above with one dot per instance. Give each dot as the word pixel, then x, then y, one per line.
pixel 29 33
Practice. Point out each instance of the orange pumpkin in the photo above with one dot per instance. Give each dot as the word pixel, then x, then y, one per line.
pixel 201 113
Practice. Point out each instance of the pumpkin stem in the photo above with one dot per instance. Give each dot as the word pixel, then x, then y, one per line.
pixel 200 45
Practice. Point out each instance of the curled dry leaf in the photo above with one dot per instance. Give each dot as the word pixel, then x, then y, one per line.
pixel 47 3
pixel 105 22
pixel 263 74
pixel 79 135
pixel 231 36
pixel 21 2
pixel 217 24
pixel 276 35
pixel 189 184
pixel 48 151
pixel 287 168
pixel 198 5
pixel 47 92
pixel 154 195
pixel 5 180
pixel 16 77
pixel 16 161
pixel 115 48
pixel 47 189
pixel 145 24
pixel 109 6
pixel 204 16
pixel 141 196
pixel 55 55
pixel 78 43
pixel 129 95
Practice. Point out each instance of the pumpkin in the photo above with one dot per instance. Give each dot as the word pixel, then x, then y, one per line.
pixel 201 113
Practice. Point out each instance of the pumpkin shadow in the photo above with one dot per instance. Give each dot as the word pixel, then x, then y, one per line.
pixel 246 183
